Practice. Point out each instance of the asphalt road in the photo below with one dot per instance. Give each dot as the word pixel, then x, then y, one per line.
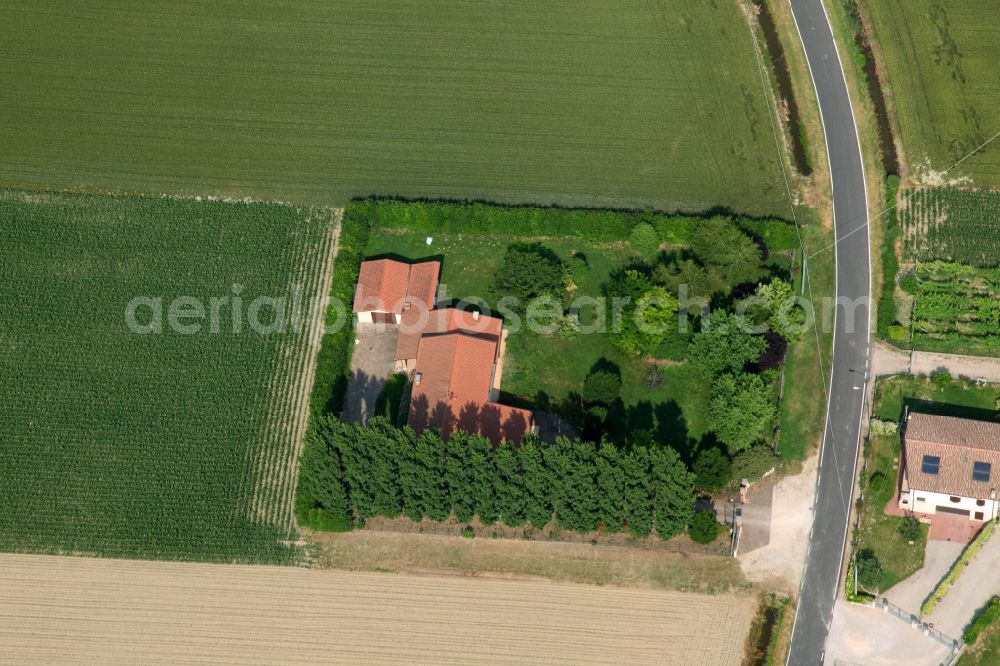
pixel 851 341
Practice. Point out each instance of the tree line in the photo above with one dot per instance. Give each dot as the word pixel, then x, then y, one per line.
pixel 350 472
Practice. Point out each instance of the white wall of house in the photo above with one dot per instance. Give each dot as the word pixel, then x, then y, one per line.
pixel 368 317
pixel 922 501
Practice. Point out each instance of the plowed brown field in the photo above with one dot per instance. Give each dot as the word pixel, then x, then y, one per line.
pixel 62 609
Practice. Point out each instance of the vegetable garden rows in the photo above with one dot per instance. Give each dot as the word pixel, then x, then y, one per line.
pixel 962 226
pixel 950 285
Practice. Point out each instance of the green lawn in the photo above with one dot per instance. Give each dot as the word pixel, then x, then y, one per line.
pixel 676 410
pixel 802 415
pixel 954 398
pixel 878 531
pixel 550 364
pixel 985 651
pixel 941 61
pixel 469 262
pixel 163 445
pixel 627 104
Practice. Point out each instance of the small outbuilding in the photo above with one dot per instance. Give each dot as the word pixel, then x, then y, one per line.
pixel 387 288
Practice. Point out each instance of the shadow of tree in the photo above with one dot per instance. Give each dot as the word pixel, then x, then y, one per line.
pixel 363 391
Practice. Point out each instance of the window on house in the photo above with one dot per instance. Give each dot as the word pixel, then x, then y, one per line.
pixel 921 499
pixel 931 464
pixel 980 502
pixel 954 500
pixel 979 515
pixel 980 471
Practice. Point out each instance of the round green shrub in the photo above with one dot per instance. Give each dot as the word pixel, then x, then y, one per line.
pixel 869 569
pixel 644 240
pixel 712 470
pixel 909 529
pixel 602 387
pixel 703 527
pixel 897 333
pixel 908 283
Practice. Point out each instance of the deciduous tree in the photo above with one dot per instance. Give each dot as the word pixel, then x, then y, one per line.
pixel 742 410
pixel 721 245
pixel 725 343
pixel 529 270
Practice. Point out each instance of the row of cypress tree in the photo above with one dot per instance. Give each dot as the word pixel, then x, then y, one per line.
pixel 352 471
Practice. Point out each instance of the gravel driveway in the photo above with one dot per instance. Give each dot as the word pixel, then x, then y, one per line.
pixel 371 365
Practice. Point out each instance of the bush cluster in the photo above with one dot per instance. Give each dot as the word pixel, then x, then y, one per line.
pixel 351 472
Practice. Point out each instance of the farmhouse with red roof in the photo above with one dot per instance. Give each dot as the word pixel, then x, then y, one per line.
pixel 454 357
pixel 950 465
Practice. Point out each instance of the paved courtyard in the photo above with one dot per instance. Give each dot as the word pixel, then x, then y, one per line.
pixel 938 558
pixel 869 636
pixel 976 585
pixel 371 365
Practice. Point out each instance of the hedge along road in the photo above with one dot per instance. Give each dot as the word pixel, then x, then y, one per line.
pixel 851 338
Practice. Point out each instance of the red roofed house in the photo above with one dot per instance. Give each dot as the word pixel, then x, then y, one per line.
pixel 454 357
pixel 386 288
pixel 950 465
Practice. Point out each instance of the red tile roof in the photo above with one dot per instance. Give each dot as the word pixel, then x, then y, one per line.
pixel 381 286
pixel 455 373
pixel 423 284
pixel 417 322
pixel 386 284
pixel 959 443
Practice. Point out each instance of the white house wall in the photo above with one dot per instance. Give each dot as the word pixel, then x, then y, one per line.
pixel 933 500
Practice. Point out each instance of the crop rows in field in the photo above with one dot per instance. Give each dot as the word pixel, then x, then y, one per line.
pixel 956 308
pixel 275 461
pixel 636 103
pixel 162 445
pixel 961 226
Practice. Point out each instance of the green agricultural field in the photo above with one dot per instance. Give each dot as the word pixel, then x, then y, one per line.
pixel 627 104
pixel 941 71
pixel 123 441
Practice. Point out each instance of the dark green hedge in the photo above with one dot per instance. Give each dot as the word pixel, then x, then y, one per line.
pixel 351 472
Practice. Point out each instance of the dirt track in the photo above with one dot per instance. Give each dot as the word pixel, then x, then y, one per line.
pixel 61 609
